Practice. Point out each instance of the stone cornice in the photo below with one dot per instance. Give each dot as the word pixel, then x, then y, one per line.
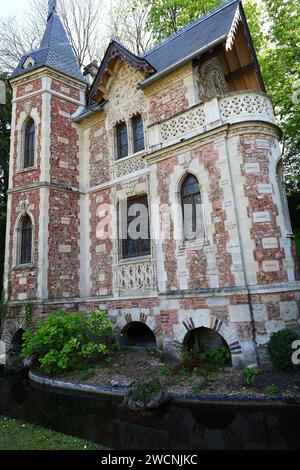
pixel 45 184
pixel 46 72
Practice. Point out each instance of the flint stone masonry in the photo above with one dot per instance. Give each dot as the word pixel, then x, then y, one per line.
pixel 238 279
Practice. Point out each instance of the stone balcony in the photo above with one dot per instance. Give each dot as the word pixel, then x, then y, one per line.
pixel 232 108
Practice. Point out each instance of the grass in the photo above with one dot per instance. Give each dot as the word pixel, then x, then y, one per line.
pixel 16 435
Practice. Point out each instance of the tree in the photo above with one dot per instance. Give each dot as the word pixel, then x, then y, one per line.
pixel 166 17
pixel 5 118
pixel 133 32
pixel 80 19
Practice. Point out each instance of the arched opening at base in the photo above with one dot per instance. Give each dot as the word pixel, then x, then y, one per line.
pixel 138 335
pixel 17 342
pixel 205 340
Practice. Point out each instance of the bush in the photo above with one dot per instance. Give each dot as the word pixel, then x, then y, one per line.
pixel 193 358
pixel 250 375
pixel 272 389
pixel 66 341
pixel 280 349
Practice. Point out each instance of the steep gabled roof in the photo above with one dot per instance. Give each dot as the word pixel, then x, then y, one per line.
pixel 208 29
pixel 113 51
pixel 55 52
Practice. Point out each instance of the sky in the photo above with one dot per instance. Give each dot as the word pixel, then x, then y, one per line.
pixel 13 7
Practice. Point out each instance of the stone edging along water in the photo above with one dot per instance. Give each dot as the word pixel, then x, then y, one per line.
pixel 176 397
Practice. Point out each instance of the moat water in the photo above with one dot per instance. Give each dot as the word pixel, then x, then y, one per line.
pixel 173 427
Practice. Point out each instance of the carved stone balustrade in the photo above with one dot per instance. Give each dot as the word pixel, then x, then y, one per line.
pixel 136 277
pixel 229 109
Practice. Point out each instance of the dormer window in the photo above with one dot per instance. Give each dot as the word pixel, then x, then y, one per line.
pixel 122 140
pixel 29 144
pixel 29 62
pixel 138 133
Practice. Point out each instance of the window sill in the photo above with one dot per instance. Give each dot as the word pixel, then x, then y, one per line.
pixel 136 154
pixel 135 260
pixel 20 267
pixel 25 170
pixel 192 245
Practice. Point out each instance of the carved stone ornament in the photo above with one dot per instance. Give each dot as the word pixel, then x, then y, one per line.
pixel 24 206
pixel 28 107
pixel 130 188
pixel 212 80
pixel 125 99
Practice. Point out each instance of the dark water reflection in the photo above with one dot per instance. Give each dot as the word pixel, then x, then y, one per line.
pixel 179 427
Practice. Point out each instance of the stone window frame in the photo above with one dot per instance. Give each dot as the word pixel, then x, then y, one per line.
pixel 145 256
pixel 25 117
pixel 175 198
pixel 17 241
pixel 130 137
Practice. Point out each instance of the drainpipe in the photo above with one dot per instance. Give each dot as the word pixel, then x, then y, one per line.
pixel 242 256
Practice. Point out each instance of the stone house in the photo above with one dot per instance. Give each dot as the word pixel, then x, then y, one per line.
pixel 188 124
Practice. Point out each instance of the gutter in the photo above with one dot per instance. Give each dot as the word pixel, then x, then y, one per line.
pixel 87 112
pixel 182 61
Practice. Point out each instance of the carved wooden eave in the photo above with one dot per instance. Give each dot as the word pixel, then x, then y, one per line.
pixel 115 53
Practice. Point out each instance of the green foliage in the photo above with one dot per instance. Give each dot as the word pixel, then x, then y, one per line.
pixel 280 349
pixel 28 316
pixel 220 356
pixel 168 16
pixel 250 375
pixel 192 359
pixel 86 374
pixel 65 341
pixel 165 370
pixel 272 389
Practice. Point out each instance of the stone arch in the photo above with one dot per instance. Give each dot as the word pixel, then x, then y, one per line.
pixel 138 316
pixel 27 115
pixel 138 334
pixel 188 167
pixel 10 329
pixel 24 211
pixel 226 331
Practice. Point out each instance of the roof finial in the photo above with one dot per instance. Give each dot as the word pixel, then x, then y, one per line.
pixel 52 4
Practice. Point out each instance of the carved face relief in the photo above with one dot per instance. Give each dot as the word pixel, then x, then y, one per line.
pixel 125 99
pixel 212 80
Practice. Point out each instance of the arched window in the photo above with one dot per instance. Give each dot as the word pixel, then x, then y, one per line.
pixel 193 227
pixel 29 144
pixel 26 240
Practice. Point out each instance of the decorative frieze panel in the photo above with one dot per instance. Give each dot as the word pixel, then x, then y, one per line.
pixel 246 103
pixel 129 165
pixel 183 124
pixel 137 277
pixel 230 108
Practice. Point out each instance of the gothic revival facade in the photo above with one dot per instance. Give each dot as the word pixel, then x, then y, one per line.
pixel 186 124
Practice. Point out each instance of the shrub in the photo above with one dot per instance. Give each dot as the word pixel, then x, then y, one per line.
pixel 221 356
pixel 66 341
pixel 250 375
pixel 272 389
pixel 280 349
pixel 193 358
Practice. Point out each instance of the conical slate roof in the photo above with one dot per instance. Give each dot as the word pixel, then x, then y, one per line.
pixel 55 52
